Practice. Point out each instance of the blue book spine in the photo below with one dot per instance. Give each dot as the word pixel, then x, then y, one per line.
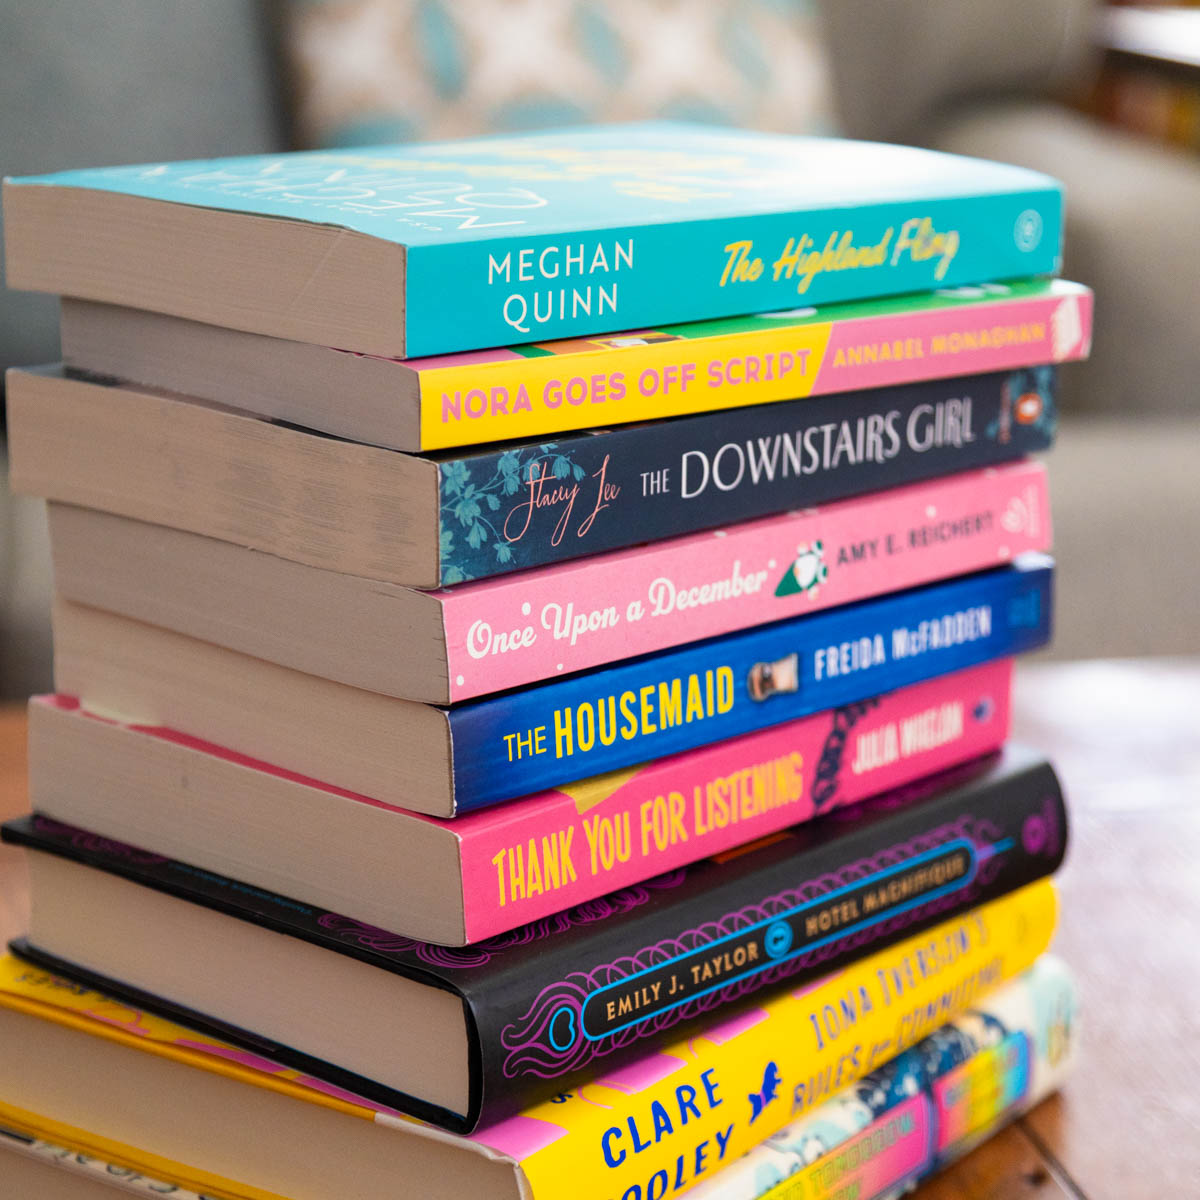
pixel 506 290
pixel 520 742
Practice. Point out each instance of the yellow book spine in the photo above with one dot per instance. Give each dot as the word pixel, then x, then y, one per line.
pixel 528 397
pixel 653 1130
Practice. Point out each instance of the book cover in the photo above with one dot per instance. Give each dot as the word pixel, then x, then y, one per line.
pixel 550 1003
pixel 523 741
pixel 683 1110
pixel 505 633
pixel 928 1106
pixel 514 863
pixel 614 227
pixel 529 505
pixel 1002 1057
pixel 678 370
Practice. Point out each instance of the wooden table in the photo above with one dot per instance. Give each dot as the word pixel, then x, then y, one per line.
pixel 1126 738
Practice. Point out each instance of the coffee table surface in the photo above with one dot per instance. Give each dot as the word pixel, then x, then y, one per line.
pixel 1125 736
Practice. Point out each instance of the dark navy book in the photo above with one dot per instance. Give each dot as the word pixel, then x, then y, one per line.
pixel 529 504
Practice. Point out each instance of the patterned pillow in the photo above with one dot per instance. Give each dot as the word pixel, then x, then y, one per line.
pixel 372 71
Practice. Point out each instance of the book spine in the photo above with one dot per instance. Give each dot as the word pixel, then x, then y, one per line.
pixel 497 291
pixel 541 503
pixel 517 396
pixel 526 741
pixel 565 619
pixel 686 1112
pixel 927 1107
pixel 535 857
pixel 906 863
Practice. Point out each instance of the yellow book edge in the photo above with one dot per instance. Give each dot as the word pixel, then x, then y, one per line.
pixel 573 1144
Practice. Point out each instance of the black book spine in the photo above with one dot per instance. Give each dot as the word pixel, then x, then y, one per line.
pixel 571 996
pixel 840 888
pixel 536 503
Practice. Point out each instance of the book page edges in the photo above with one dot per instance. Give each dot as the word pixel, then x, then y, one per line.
pixel 274 275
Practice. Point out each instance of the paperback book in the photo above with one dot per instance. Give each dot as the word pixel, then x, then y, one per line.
pixel 413 521
pixel 84 1070
pixel 483 874
pixel 550 1003
pixel 549 388
pixel 900 1123
pixel 461 643
pixel 442 247
pixel 446 761
pixel 925 1108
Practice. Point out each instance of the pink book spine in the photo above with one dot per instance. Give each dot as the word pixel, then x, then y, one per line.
pixel 954 341
pixel 534 857
pixel 524 628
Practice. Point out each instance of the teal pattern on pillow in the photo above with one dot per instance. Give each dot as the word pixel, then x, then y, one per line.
pixel 373 71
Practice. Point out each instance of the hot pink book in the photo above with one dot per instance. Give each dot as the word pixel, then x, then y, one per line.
pixel 507 632
pixel 464 880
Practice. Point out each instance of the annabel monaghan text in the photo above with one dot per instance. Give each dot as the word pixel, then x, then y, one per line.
pixel 667 371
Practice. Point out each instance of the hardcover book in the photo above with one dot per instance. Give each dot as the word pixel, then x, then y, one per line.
pixel 487 872
pixel 436 248
pixel 901 1122
pixel 444 761
pixel 79 1067
pixel 425 522
pixel 460 1036
pixel 469 641
pixel 548 388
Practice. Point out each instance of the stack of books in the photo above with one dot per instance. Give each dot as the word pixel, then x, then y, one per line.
pixel 573 769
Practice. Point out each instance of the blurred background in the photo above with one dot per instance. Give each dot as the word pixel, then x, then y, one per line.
pixel 1105 97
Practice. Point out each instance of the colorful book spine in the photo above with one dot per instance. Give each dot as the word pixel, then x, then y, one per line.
pixel 507 633
pixel 539 503
pixel 527 860
pixel 87 1168
pixel 684 1110
pixel 898 1124
pixel 550 1002
pixel 624 1129
pixel 566 234
pixel 925 1108
pixel 521 742
pixel 695 270
pixel 678 370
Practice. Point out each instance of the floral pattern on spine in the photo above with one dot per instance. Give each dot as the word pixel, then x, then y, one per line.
pixel 548 1040
pixel 472 537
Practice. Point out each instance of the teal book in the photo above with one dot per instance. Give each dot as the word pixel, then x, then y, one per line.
pixel 420 250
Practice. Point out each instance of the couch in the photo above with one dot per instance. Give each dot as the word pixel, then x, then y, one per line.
pixel 129 80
